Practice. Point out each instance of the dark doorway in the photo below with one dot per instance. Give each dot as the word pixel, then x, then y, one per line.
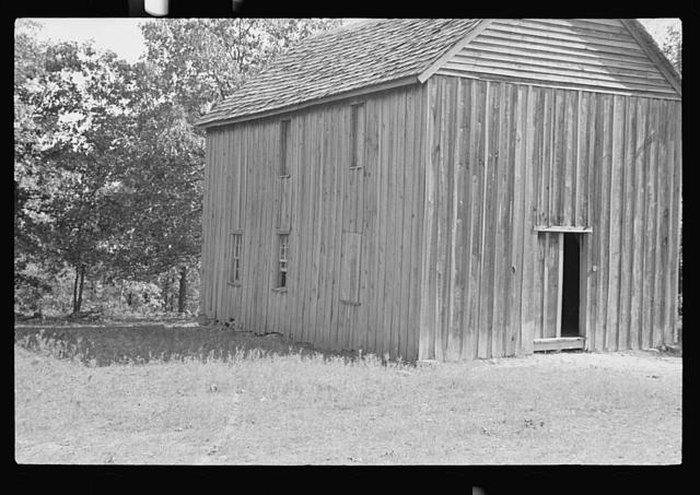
pixel 570 289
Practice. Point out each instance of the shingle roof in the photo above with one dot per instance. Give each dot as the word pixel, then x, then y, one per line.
pixel 354 56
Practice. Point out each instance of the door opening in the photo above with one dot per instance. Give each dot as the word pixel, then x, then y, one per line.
pixel 570 286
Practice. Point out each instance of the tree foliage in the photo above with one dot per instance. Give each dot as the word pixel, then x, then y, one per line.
pixel 202 61
pixel 672 46
pixel 108 166
pixel 69 137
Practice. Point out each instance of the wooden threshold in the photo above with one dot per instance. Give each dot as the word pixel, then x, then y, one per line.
pixel 558 344
pixel 563 229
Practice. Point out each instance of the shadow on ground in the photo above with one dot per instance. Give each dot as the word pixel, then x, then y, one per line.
pixel 105 345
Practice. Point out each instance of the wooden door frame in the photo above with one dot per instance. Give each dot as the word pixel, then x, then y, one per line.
pixel 558 342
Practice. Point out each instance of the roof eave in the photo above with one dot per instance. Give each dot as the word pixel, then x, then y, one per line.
pixel 387 85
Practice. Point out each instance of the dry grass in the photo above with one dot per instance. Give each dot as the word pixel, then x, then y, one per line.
pixel 260 402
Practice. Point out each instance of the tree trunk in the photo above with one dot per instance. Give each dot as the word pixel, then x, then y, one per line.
pixel 75 291
pixel 78 288
pixel 166 292
pixel 182 294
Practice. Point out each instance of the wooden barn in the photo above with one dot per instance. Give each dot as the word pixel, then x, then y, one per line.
pixel 450 189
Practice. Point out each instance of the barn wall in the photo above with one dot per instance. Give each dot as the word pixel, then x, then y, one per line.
pixel 590 54
pixel 354 271
pixel 504 158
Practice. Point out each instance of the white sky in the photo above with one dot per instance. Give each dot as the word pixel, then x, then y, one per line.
pixel 123 36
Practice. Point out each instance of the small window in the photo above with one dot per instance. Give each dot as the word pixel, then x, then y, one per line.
pixel 283 254
pixel 236 248
pixel 285 131
pixel 357 138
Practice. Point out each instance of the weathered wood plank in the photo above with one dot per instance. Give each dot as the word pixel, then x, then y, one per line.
pixel 366 226
pixel 408 221
pixel 251 226
pixel 508 150
pixel 324 238
pixel 590 241
pixel 552 284
pixel 397 214
pixel 452 335
pixel 603 157
pixel 393 129
pixel 676 219
pixel 318 214
pixel 419 232
pixel 617 163
pixel 541 173
pixel 660 247
pixel 558 344
pixel 463 224
pixel 477 162
pixel 501 197
pixel 442 277
pixel 667 322
pixel 557 164
pixel 641 114
pixel 345 311
pixel 385 158
pixel 568 212
pixel 270 174
pixel 666 178
pixel 582 191
pixel 301 227
pixel 487 222
pixel 370 229
pixel 334 313
pixel 529 256
pixel 517 213
pixel 547 147
pixel 205 272
pixel 627 221
pixel 218 226
pixel 427 322
pixel 650 231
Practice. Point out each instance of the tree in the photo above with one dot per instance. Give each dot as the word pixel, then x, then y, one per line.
pixel 72 121
pixel 28 67
pixel 108 166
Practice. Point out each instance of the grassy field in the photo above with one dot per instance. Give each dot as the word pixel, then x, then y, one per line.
pixel 189 395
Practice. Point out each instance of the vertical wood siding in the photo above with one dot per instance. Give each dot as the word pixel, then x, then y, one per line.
pixel 504 158
pixel 354 278
pixel 590 54
pixel 428 250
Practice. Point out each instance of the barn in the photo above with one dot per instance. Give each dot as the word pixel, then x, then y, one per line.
pixel 450 189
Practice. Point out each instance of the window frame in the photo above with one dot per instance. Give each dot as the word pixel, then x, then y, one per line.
pixel 235 261
pixel 281 274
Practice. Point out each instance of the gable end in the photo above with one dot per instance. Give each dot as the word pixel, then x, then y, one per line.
pixel 604 55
